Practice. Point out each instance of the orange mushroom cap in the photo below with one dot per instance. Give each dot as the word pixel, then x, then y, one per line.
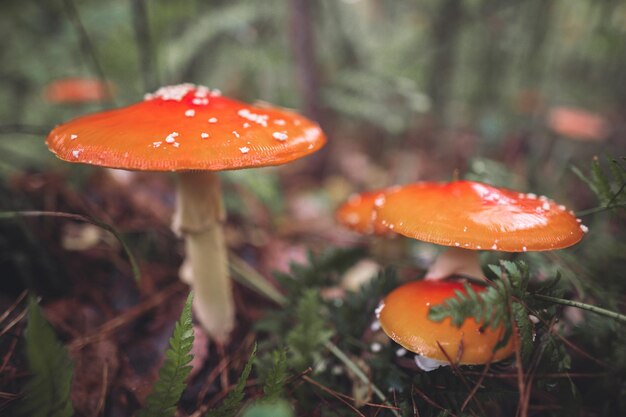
pixel 358 213
pixel 77 90
pixel 404 318
pixel 578 124
pixel 187 127
pixel 473 215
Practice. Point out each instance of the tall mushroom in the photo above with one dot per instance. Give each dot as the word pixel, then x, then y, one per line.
pixel 194 132
pixel 470 216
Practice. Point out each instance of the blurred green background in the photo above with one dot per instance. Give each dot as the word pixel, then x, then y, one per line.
pixel 455 78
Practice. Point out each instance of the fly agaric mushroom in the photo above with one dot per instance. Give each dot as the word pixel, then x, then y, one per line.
pixel 578 124
pixel 471 216
pixel 358 213
pixel 77 90
pixel 195 132
pixel 403 316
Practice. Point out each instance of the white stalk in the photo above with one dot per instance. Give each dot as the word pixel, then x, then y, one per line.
pixel 455 261
pixel 199 220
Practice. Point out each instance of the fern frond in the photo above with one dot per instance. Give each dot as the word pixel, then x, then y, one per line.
pixel 234 400
pixel 488 307
pixel 525 331
pixel 610 190
pixel 275 409
pixel 174 371
pixel 47 393
pixel 274 381
pixel 311 332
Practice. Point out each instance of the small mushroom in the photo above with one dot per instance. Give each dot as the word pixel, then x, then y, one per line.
pixel 78 91
pixel 470 216
pixel 194 132
pixel 358 213
pixel 578 124
pixel 403 315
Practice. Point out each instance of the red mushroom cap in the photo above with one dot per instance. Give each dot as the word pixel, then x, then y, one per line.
pixel 473 215
pixel 187 127
pixel 404 318
pixel 77 90
pixel 358 213
pixel 578 124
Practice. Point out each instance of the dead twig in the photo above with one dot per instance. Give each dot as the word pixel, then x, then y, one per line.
pixel 127 317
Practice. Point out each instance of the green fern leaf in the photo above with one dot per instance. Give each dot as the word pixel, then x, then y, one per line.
pixel 609 191
pixel 601 182
pixel 174 371
pixel 234 400
pixel 274 381
pixel 311 332
pixel 525 329
pixel 275 409
pixel 47 393
pixel 488 307
pixel 617 171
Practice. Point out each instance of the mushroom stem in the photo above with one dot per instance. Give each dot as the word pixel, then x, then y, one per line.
pixel 455 261
pixel 198 219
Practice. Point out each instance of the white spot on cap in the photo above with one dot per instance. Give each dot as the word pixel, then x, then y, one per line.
pixel 213 120
pixel 176 145
pixel 494 247
pixel 190 113
pixel 204 135
pixel 246 125
pixel 171 92
pixel 244 149
pixel 457 244
pixel 531 196
pixel 379 309
pixel 380 200
pixel 72 137
pixel 545 206
pixel 260 119
pixel 280 136
pixel 200 101
pixel 584 228
pixel 156 144
pixel 237 135
pixel 279 122
pixel 171 138
pixel 76 153
pixel 561 207
pixel 524 248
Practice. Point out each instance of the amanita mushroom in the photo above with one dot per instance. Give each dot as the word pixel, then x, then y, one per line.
pixel 403 316
pixel 358 213
pixel 194 132
pixel 578 124
pixel 77 90
pixel 470 216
